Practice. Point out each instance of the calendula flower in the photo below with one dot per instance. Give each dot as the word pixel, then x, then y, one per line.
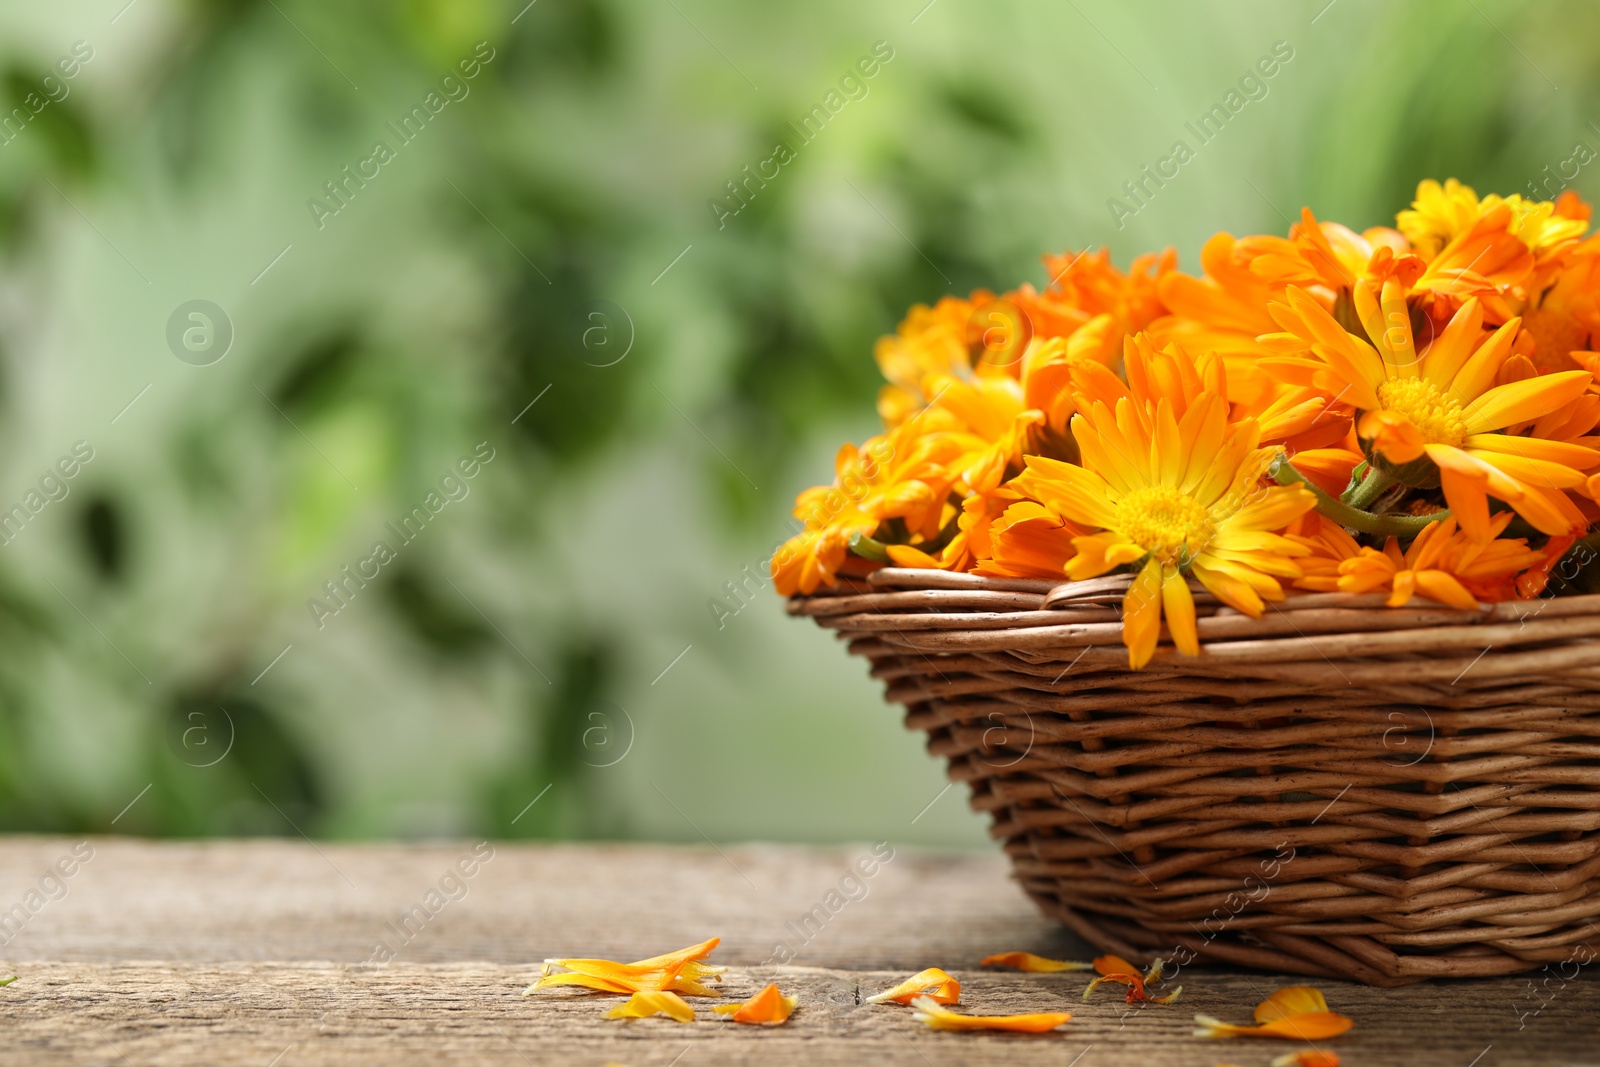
pixel 1443 564
pixel 931 340
pixel 1369 374
pixel 677 972
pixel 991 427
pixel 929 1011
pixel 1027 961
pixel 1175 498
pixel 901 475
pixel 656 1002
pixel 767 1008
pixel 1092 302
pixel 1296 1013
pixel 1487 249
pixel 932 983
pixel 1116 969
pixel 1437 416
pixel 1029 540
pixel 1223 312
pixel 1332 257
pixel 1561 319
pixel 1330 545
pixel 1442 213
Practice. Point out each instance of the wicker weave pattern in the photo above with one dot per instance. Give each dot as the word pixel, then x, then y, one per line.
pixel 1335 789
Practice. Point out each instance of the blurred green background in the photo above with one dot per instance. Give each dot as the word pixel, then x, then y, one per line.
pixel 548 239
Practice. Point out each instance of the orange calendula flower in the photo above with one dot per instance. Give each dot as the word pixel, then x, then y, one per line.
pixel 900 475
pixel 767 1008
pixel 931 340
pixel 1440 415
pixel 1173 498
pixel 653 1002
pixel 1389 378
pixel 1029 541
pixel 1330 255
pixel 1223 312
pixel 1027 961
pixel 677 972
pixel 1116 969
pixel 1296 1013
pixel 929 1011
pixel 931 984
pixel 1443 564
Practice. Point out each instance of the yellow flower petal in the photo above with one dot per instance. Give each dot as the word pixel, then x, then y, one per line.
pixel 653 1002
pixel 929 1011
pixel 1524 401
pixel 679 971
pixel 932 983
pixel 1027 961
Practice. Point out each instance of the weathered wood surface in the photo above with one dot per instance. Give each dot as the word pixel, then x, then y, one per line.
pixel 240 952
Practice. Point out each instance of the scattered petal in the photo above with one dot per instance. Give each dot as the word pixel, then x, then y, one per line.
pixel 1295 1013
pixel 1027 961
pixel 1291 1000
pixel 1307 1058
pixel 929 1011
pixel 768 1007
pixel 1116 969
pixel 932 983
pixel 1114 965
pixel 678 972
pixel 654 1002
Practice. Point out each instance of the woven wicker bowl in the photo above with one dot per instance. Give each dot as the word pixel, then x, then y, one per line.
pixel 1335 789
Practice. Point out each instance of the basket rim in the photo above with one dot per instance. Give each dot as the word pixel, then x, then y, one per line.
pixel 1325 634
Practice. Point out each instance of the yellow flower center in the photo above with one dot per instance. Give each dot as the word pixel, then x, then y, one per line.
pixel 1435 413
pixel 1168 523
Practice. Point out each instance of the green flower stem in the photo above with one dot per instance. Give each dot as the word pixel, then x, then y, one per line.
pixel 867 548
pixel 1371 488
pixel 1283 472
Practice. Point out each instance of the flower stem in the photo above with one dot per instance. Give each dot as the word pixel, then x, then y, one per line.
pixel 1283 472
pixel 867 548
pixel 1371 488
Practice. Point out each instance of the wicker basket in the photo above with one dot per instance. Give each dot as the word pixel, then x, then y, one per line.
pixel 1335 789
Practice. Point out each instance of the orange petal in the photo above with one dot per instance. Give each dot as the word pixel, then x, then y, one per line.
pixel 653 1002
pixel 1027 961
pixel 939 1018
pixel 768 1007
pixel 1312 1026
pixel 933 983
pixel 1296 1013
pixel 1307 1058
pixel 1393 435
pixel 1291 1000
pixel 1113 965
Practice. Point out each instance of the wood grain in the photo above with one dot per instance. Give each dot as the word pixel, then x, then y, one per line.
pixel 239 952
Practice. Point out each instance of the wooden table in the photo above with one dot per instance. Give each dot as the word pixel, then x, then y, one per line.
pixel 259 953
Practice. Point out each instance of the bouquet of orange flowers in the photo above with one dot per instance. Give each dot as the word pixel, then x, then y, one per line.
pixel 1409 411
